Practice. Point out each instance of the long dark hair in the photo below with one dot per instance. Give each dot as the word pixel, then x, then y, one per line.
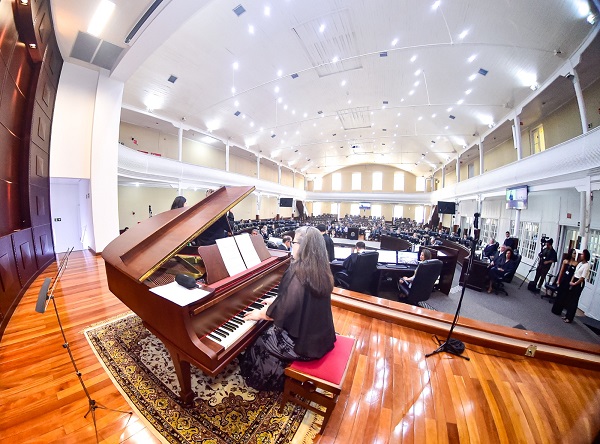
pixel 311 263
pixel 179 202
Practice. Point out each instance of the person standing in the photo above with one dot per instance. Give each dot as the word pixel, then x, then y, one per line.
pixel 328 242
pixel 570 300
pixel 546 258
pixel 567 270
pixel 302 328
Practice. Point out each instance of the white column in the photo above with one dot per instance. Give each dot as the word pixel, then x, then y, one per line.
pixel 517 223
pixel 227 155
pixel 458 169
pixel 517 136
pixel 585 211
pixel 480 156
pixel 580 102
pixel 279 173
pixel 443 176
pixel 179 152
pixel 258 166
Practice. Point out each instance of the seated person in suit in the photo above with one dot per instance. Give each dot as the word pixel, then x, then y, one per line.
pixel 286 243
pixel 504 263
pixel 490 250
pixel 350 261
pixel 509 242
pixel 407 280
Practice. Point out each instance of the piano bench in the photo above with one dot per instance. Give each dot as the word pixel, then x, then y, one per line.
pixel 319 381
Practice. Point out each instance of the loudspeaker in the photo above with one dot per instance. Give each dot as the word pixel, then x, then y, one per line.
pixel 352 234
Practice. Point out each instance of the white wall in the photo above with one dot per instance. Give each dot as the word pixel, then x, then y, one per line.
pixel 66 220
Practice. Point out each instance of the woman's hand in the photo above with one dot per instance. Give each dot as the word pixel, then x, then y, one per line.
pixel 255 315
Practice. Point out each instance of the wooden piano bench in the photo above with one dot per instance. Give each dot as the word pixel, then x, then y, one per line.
pixel 319 381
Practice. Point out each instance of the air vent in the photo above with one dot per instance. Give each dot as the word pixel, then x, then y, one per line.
pixel 452 117
pixel 273 136
pixel 239 10
pixel 319 112
pixel 237 113
pixel 383 54
pixel 482 71
pixel 172 78
pixel 91 49
pixel 385 102
pixel 294 76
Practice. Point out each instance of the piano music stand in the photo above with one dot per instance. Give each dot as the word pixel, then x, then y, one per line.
pixel 46 295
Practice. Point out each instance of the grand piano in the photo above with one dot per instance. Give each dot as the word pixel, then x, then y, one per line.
pixel 207 333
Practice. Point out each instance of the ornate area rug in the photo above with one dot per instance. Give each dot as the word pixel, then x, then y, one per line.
pixel 225 409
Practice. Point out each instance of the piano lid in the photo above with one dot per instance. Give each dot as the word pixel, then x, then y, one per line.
pixel 142 249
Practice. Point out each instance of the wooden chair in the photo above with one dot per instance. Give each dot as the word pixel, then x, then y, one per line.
pixel 319 381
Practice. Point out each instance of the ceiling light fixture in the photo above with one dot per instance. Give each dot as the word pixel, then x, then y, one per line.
pixel 472 77
pixel 394 42
pixel 235 65
pixel 251 29
pixel 463 34
pixel 436 5
pixel 100 18
pixel 460 102
pixel 279 73
pixel 335 59
pixel 472 58
pixel 322 28
pixel 467 92
pixel 343 83
pixel 267 11
pixel 413 58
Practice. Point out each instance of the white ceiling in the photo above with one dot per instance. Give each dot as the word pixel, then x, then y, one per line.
pixel 333 114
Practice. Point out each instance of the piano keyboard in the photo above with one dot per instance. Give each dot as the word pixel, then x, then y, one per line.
pixel 236 327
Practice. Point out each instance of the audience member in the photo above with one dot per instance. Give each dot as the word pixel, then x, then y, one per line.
pixel 179 202
pixel 328 242
pixel 509 242
pixel 407 280
pixel 570 299
pixel 350 261
pixel 286 243
pixel 503 264
pixel 490 249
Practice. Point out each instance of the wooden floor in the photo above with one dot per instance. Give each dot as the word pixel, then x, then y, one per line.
pixel 392 393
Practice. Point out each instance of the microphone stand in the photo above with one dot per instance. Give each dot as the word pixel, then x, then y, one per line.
pixel 451 345
pixel 41 308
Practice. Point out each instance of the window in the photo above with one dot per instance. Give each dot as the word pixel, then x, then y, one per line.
pixel 334 208
pixel 318 184
pixel 420 184
pixel 377 181
pixel 354 209
pixel 528 239
pixel 316 208
pixel 538 142
pixel 470 170
pixel 356 178
pixel 336 181
pixel 419 214
pixel 399 209
pixel 594 249
pixel 399 181
pixel 376 210
pixel 489 229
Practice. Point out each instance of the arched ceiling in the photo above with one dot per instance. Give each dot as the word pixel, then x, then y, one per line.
pixel 319 85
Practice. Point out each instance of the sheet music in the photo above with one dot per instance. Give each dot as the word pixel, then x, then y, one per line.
pixel 247 250
pixel 231 255
pixel 178 294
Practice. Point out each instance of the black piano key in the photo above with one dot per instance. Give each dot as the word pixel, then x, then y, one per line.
pixel 256 306
pixel 219 332
pixel 213 337
pixel 231 325
pixel 237 320
pixel 227 327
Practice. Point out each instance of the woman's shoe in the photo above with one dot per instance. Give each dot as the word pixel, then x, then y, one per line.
pixel 566 321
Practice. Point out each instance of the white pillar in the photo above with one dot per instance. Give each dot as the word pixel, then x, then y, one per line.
pixel 443 176
pixel 517 136
pixel 258 166
pixel 279 173
pixel 480 156
pixel 517 223
pixel 458 169
pixel 179 152
pixel 585 211
pixel 580 102
pixel 227 155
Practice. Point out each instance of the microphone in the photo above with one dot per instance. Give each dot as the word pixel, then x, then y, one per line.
pixel 187 281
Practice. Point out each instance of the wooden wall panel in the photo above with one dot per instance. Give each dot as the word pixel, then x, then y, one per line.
pixel 8 31
pixel 24 255
pixel 20 69
pixel 10 149
pixel 9 278
pixel 43 245
pixel 46 93
pixel 42 25
pixel 38 167
pixel 39 205
pixel 40 128
pixel 13 105
pixel 53 61
pixel 11 209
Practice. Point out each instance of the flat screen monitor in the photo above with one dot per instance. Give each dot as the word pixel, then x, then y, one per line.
pixel 446 207
pixel 516 198
pixel 286 202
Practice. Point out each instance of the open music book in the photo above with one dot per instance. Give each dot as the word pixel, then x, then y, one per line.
pixel 238 253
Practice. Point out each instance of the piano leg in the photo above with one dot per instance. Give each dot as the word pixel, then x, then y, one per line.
pixel 184 376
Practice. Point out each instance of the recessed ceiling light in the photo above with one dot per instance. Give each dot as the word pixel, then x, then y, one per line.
pixel 236 103
pixel 411 92
pixel 322 27
pixel 467 92
pixel 449 109
pixel 399 114
pixel 417 72
pixel 285 107
pixel 233 90
pixel 267 11
pixel 402 100
pixel 394 42
pixel 343 83
pixel 293 112
pixel 534 86
pixel 349 102
pixel 435 5
pixel 276 89
pixel 279 100
pixel 460 102
pixel 420 118
pixel 463 34
pixel 252 124
pixel 470 59
pixel 413 58
pixel 417 83
pixel 335 59
pixel 279 73
pixel 433 115
pixel 472 77
pixel 446 127
pixel 251 29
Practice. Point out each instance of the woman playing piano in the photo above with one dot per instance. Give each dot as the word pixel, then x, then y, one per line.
pixel 302 326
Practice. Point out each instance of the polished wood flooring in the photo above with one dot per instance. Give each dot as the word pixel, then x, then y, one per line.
pixel 392 394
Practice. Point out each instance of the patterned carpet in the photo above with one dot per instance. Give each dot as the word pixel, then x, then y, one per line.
pixel 225 409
